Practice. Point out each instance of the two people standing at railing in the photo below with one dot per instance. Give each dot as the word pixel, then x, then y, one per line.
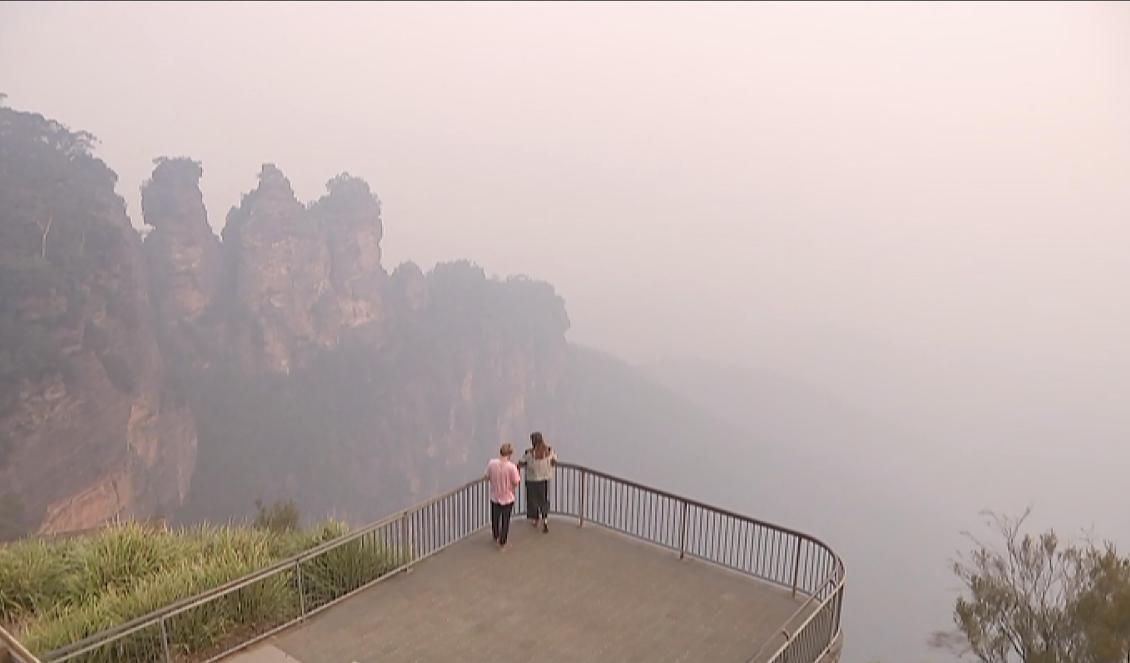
pixel 538 461
pixel 504 477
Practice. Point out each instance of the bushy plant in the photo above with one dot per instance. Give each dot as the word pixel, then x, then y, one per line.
pixel 54 592
pixel 280 516
pixel 33 579
pixel 345 568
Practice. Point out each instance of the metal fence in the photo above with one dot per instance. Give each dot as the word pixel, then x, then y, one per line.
pixel 777 555
pixel 14 650
pixel 217 623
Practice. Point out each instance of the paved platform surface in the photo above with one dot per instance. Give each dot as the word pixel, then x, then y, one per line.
pixel 575 594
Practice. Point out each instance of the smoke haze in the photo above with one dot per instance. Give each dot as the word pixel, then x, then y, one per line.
pixel 915 216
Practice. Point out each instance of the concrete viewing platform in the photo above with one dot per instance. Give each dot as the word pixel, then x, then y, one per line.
pixel 574 594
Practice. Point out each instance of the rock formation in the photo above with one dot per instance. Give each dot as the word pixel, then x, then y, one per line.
pixel 87 429
pixel 190 376
pixel 184 261
pixel 350 216
pixel 278 272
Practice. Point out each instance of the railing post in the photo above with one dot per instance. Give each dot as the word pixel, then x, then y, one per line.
pixel 165 641
pixel 404 540
pixel 301 590
pixel 796 564
pixel 581 513
pixel 840 611
pixel 683 532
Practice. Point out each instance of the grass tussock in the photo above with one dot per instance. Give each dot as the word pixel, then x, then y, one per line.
pixel 54 592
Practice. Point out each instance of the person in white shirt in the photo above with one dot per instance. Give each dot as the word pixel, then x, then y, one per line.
pixel 538 460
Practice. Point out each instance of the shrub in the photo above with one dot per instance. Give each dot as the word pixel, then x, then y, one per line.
pixel 345 568
pixel 58 591
pixel 280 516
pixel 33 579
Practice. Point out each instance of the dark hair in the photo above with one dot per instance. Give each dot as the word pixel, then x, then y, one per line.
pixel 540 448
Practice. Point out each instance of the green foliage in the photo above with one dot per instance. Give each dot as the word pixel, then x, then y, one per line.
pixel 64 245
pixel 1041 600
pixel 57 591
pixel 1102 608
pixel 280 516
pixel 344 569
pixel 33 579
pixel 347 197
pixel 27 351
pixel 55 191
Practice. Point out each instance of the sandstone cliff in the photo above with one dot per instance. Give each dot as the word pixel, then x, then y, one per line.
pixel 344 388
pixel 278 272
pixel 190 376
pixel 184 261
pixel 87 430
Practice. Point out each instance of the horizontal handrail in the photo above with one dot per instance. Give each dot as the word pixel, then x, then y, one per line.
pixel 18 651
pixel 238 583
pixel 770 552
pixel 756 548
pixel 830 580
pixel 782 652
pixel 691 502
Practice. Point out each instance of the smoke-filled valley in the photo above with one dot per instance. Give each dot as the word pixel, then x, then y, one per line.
pixel 856 269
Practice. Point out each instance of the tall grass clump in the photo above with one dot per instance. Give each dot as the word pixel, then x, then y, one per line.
pixel 345 568
pixel 33 579
pixel 56 592
pixel 279 516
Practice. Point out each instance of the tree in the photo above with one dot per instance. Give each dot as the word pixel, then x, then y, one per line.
pixel 1040 600
pixel 1102 609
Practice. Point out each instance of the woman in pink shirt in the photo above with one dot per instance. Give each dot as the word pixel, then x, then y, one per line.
pixel 504 478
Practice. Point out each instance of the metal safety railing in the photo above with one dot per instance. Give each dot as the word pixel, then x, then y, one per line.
pixel 15 652
pixel 231 617
pixel 217 623
pixel 789 559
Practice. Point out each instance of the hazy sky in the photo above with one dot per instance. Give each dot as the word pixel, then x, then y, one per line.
pixel 719 176
pixel 924 208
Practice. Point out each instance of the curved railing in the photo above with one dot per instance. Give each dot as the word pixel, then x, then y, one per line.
pixel 778 555
pixel 231 617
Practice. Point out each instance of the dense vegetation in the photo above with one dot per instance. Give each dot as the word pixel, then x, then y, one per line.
pixel 54 592
pixel 1040 599
pixel 52 239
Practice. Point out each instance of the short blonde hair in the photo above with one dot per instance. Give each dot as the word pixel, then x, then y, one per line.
pixel 506 449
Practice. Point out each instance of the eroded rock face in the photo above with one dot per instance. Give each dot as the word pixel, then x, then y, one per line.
pixel 184 262
pixel 87 429
pixel 350 216
pixel 303 368
pixel 463 362
pixel 279 271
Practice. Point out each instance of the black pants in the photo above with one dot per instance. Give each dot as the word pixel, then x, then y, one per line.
pixel 500 520
pixel 537 499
